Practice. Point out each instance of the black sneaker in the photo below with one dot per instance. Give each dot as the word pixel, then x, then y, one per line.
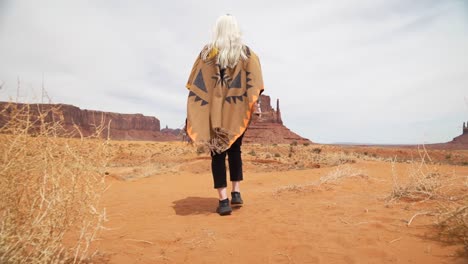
pixel 236 198
pixel 224 208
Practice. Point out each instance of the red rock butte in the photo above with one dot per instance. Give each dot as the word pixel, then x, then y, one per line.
pixel 460 142
pixel 267 126
pixel 463 138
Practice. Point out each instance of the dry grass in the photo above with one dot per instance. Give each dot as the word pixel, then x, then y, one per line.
pixel 50 188
pixel 342 172
pixel 334 176
pixel 453 224
pixel 135 160
pixel 425 183
pixel 296 156
pixel 452 219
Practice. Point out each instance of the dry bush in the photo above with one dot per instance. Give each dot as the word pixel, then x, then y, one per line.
pixel 452 218
pixel 318 156
pixel 340 173
pixel 295 156
pixel 424 182
pixel 50 187
pixel 297 188
pixel 201 149
pixel 453 224
pixel 337 174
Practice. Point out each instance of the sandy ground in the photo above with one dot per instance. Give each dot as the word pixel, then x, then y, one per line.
pixel 161 208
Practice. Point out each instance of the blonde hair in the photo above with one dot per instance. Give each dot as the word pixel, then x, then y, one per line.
pixel 227 43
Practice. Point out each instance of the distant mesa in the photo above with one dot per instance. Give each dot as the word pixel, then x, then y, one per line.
pixel 266 126
pixel 122 126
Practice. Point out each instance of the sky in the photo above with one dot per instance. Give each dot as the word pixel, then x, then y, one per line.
pixel 363 71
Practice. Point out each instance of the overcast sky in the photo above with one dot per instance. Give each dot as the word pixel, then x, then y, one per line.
pixel 368 71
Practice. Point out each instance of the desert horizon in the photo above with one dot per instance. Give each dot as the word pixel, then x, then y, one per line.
pixel 174 134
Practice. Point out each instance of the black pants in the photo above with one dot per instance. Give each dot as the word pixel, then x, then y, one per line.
pixel 218 164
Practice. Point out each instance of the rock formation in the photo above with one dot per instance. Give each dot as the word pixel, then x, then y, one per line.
pixel 122 126
pixel 267 125
pixel 460 142
pixel 170 131
pixel 463 138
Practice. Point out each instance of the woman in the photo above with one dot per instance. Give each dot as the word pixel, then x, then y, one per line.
pixel 225 83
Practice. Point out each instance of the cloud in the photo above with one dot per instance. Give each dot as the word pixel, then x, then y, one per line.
pixel 366 71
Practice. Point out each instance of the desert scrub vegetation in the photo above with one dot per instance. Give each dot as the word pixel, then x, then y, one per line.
pixel 452 222
pixel 297 156
pixel 334 176
pixel 50 187
pixel 342 172
pixel 132 160
pixel 423 180
pixel 448 195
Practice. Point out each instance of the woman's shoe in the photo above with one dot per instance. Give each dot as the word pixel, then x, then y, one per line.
pixel 224 208
pixel 236 198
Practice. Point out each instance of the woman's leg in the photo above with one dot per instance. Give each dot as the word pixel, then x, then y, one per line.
pixel 222 195
pixel 218 169
pixel 235 186
pixel 235 164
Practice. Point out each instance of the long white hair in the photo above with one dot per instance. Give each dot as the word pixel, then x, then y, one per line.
pixel 227 43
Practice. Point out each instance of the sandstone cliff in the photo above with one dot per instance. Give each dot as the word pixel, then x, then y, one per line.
pixel 266 126
pixel 122 126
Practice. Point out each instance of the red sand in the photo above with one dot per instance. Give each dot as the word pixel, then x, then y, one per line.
pixel 170 218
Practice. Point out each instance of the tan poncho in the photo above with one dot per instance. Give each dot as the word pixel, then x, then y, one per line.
pixel 219 109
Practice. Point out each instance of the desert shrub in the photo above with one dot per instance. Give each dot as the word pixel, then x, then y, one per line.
pixel 423 182
pixel 294 143
pixel 341 172
pixel 201 149
pixel 50 187
pixel 452 218
pixel 291 151
pixel 277 155
pixel 252 153
pixel 306 144
pixel 453 224
pixel 317 150
pixel 335 175
pixel 332 158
